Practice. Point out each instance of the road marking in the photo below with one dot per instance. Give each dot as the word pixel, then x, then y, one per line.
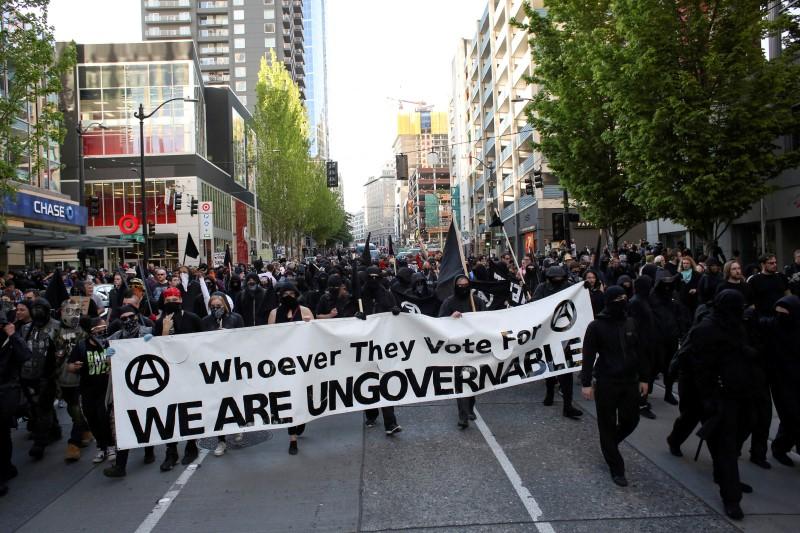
pixel 151 521
pixel 524 494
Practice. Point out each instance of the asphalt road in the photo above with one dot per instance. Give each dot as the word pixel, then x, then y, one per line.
pixel 521 467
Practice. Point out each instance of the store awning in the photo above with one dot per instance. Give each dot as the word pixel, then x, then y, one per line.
pixel 59 239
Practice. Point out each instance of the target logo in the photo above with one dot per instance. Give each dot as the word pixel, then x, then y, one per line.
pixel 128 224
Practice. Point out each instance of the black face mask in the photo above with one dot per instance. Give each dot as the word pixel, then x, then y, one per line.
pixel 171 307
pixel 419 289
pixel 39 316
pixel 289 301
pixel 461 292
pixel 252 287
pixel 372 284
pixel 616 308
pixel 130 326
pixel 557 281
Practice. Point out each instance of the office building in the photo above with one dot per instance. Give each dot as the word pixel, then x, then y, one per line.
pixel 201 155
pixel 357 227
pixel 232 36
pixel 380 208
pixel 316 78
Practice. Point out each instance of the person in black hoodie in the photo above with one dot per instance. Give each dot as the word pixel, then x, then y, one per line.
pixel 13 355
pixel 460 302
pixel 591 280
pixel 720 357
pixel 175 321
pixel 556 280
pixel 615 372
pixel 419 298
pixel 640 311
pixel 671 318
pixel 782 335
pixel 252 302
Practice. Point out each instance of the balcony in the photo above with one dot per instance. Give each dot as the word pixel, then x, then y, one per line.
pixel 489 120
pixel 287 21
pixel 526 200
pixel 481 206
pixel 479 183
pixel 206 61
pixel 183 31
pixel 525 135
pixel 157 18
pixel 297 7
pixel 481 229
pixel 508 182
pixel 487 94
pixel 218 4
pixel 489 148
pixel 220 78
pixel 521 69
pixel 485 39
pixel 527 165
pixel 552 192
pixel 213 21
pixel 520 36
pixel 214 33
pixel 214 50
pixel 506 153
pixel 486 69
pixel 166 4
pixel 507 213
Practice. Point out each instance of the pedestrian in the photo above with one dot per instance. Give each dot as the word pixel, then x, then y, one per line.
pixel 14 354
pixel 252 302
pixel 175 321
pixel 456 305
pixel 615 373
pixel 290 310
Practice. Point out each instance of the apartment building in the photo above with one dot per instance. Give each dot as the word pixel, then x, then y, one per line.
pixel 232 36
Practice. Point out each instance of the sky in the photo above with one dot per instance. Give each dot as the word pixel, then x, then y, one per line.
pixel 376 50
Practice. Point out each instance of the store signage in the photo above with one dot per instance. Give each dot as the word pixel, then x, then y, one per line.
pixel 206 207
pixel 206 220
pixel 44 209
pixel 128 224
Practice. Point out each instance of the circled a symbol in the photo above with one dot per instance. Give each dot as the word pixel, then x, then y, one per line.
pixel 147 375
pixel 564 316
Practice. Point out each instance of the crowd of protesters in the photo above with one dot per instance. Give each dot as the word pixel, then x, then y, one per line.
pixel 727 333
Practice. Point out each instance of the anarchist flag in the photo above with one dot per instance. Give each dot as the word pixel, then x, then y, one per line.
pixel 451 264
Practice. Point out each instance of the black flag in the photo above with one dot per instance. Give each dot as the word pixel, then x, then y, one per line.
pixel 451 265
pixel 366 257
pixel 391 248
pixel 56 291
pixel 228 261
pixel 191 248
pixel 596 264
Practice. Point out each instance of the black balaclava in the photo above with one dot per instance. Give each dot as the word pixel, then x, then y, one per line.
pixel 626 283
pixel 419 285
pixel 290 302
pixel 556 276
pixel 728 307
pixel 40 312
pixel 130 327
pixel 642 286
pixel 251 282
pixel 792 304
pixel 615 308
pixel 372 284
pixel 462 293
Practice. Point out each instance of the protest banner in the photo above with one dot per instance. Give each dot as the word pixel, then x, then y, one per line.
pixel 215 383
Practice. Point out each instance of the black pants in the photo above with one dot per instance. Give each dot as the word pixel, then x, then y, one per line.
pixel 690 406
pixel 122 456
pixel 389 420
pixel 72 397
pixel 466 407
pixel 724 443
pixel 9 401
pixel 297 430
pixel 172 448
pixel 617 416
pixel 565 381
pixel 787 403
pixel 762 403
pixel 93 401
pixel 43 422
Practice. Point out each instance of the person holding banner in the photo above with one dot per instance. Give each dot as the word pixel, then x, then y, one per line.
pixel 176 321
pixel 461 301
pixel 290 310
pixel 615 373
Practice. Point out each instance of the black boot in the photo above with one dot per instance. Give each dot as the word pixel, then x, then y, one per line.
pixel 734 511
pixel 572 412
pixel 190 453
pixel 169 462
pixel 115 471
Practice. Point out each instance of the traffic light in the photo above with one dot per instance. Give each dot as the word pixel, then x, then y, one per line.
pixel 538 179
pixel 332 172
pixel 558 226
pixel 401 163
pixel 193 208
pixel 528 186
pixel 94 206
pixel 178 199
pixel 574 217
pixel 151 229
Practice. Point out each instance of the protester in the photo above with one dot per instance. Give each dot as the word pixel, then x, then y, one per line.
pixel 14 354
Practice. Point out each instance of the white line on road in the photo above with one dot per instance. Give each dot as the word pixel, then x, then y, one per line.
pixel 151 521
pixel 524 494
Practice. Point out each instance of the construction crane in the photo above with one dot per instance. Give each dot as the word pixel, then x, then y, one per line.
pixel 421 106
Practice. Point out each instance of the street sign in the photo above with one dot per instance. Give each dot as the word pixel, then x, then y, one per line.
pixel 206 226
pixel 136 237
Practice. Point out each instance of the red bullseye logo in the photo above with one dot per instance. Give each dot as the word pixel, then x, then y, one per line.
pixel 128 224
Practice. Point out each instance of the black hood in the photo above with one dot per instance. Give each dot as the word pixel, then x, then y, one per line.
pixel 555 272
pixel 404 275
pixel 728 306
pixel 251 275
pixel 792 304
pixel 642 286
pixel 650 270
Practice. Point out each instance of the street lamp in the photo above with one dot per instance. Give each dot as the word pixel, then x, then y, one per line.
pixel 519 99
pixel 142 117
pixel 80 130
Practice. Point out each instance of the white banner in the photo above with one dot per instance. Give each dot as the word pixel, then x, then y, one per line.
pixel 204 384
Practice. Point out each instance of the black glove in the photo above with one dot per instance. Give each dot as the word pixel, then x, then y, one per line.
pixel 395 310
pixel 360 315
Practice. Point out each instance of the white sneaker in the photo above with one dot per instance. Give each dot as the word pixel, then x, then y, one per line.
pixel 111 453
pixel 238 438
pixel 219 451
pixel 99 457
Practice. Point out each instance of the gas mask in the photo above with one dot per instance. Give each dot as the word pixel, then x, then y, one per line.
pixel 70 314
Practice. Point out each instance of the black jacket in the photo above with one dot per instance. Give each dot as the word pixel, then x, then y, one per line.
pixel 613 352
pixel 254 308
pixel 229 321
pixel 184 322
pixel 13 354
pixel 453 303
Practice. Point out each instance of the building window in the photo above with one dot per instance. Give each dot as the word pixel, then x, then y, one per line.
pixel 269 2
pixel 241 86
pixel 238 29
pixel 269 42
pixel 239 57
pixel 269 27
pixel 243 99
pixel 238 43
pixel 240 72
pixel 269 14
pixel 238 14
pixel 238 2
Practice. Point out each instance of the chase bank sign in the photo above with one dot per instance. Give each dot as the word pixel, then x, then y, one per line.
pixel 45 209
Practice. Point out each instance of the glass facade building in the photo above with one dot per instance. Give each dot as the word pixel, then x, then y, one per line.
pixel 316 77
pixel 111 93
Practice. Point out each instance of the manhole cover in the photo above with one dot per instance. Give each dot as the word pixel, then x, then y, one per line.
pixel 250 438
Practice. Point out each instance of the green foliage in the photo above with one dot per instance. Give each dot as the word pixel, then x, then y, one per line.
pixel 28 60
pixel 570 114
pixel 292 191
pixel 677 95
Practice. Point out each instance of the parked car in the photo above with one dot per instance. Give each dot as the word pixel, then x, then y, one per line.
pixel 102 290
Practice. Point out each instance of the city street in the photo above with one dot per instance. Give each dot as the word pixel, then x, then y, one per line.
pixel 520 467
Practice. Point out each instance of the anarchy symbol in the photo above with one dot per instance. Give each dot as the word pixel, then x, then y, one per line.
pixel 147 369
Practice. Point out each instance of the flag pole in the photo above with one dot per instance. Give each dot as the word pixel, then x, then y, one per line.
pixel 510 248
pixel 463 261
